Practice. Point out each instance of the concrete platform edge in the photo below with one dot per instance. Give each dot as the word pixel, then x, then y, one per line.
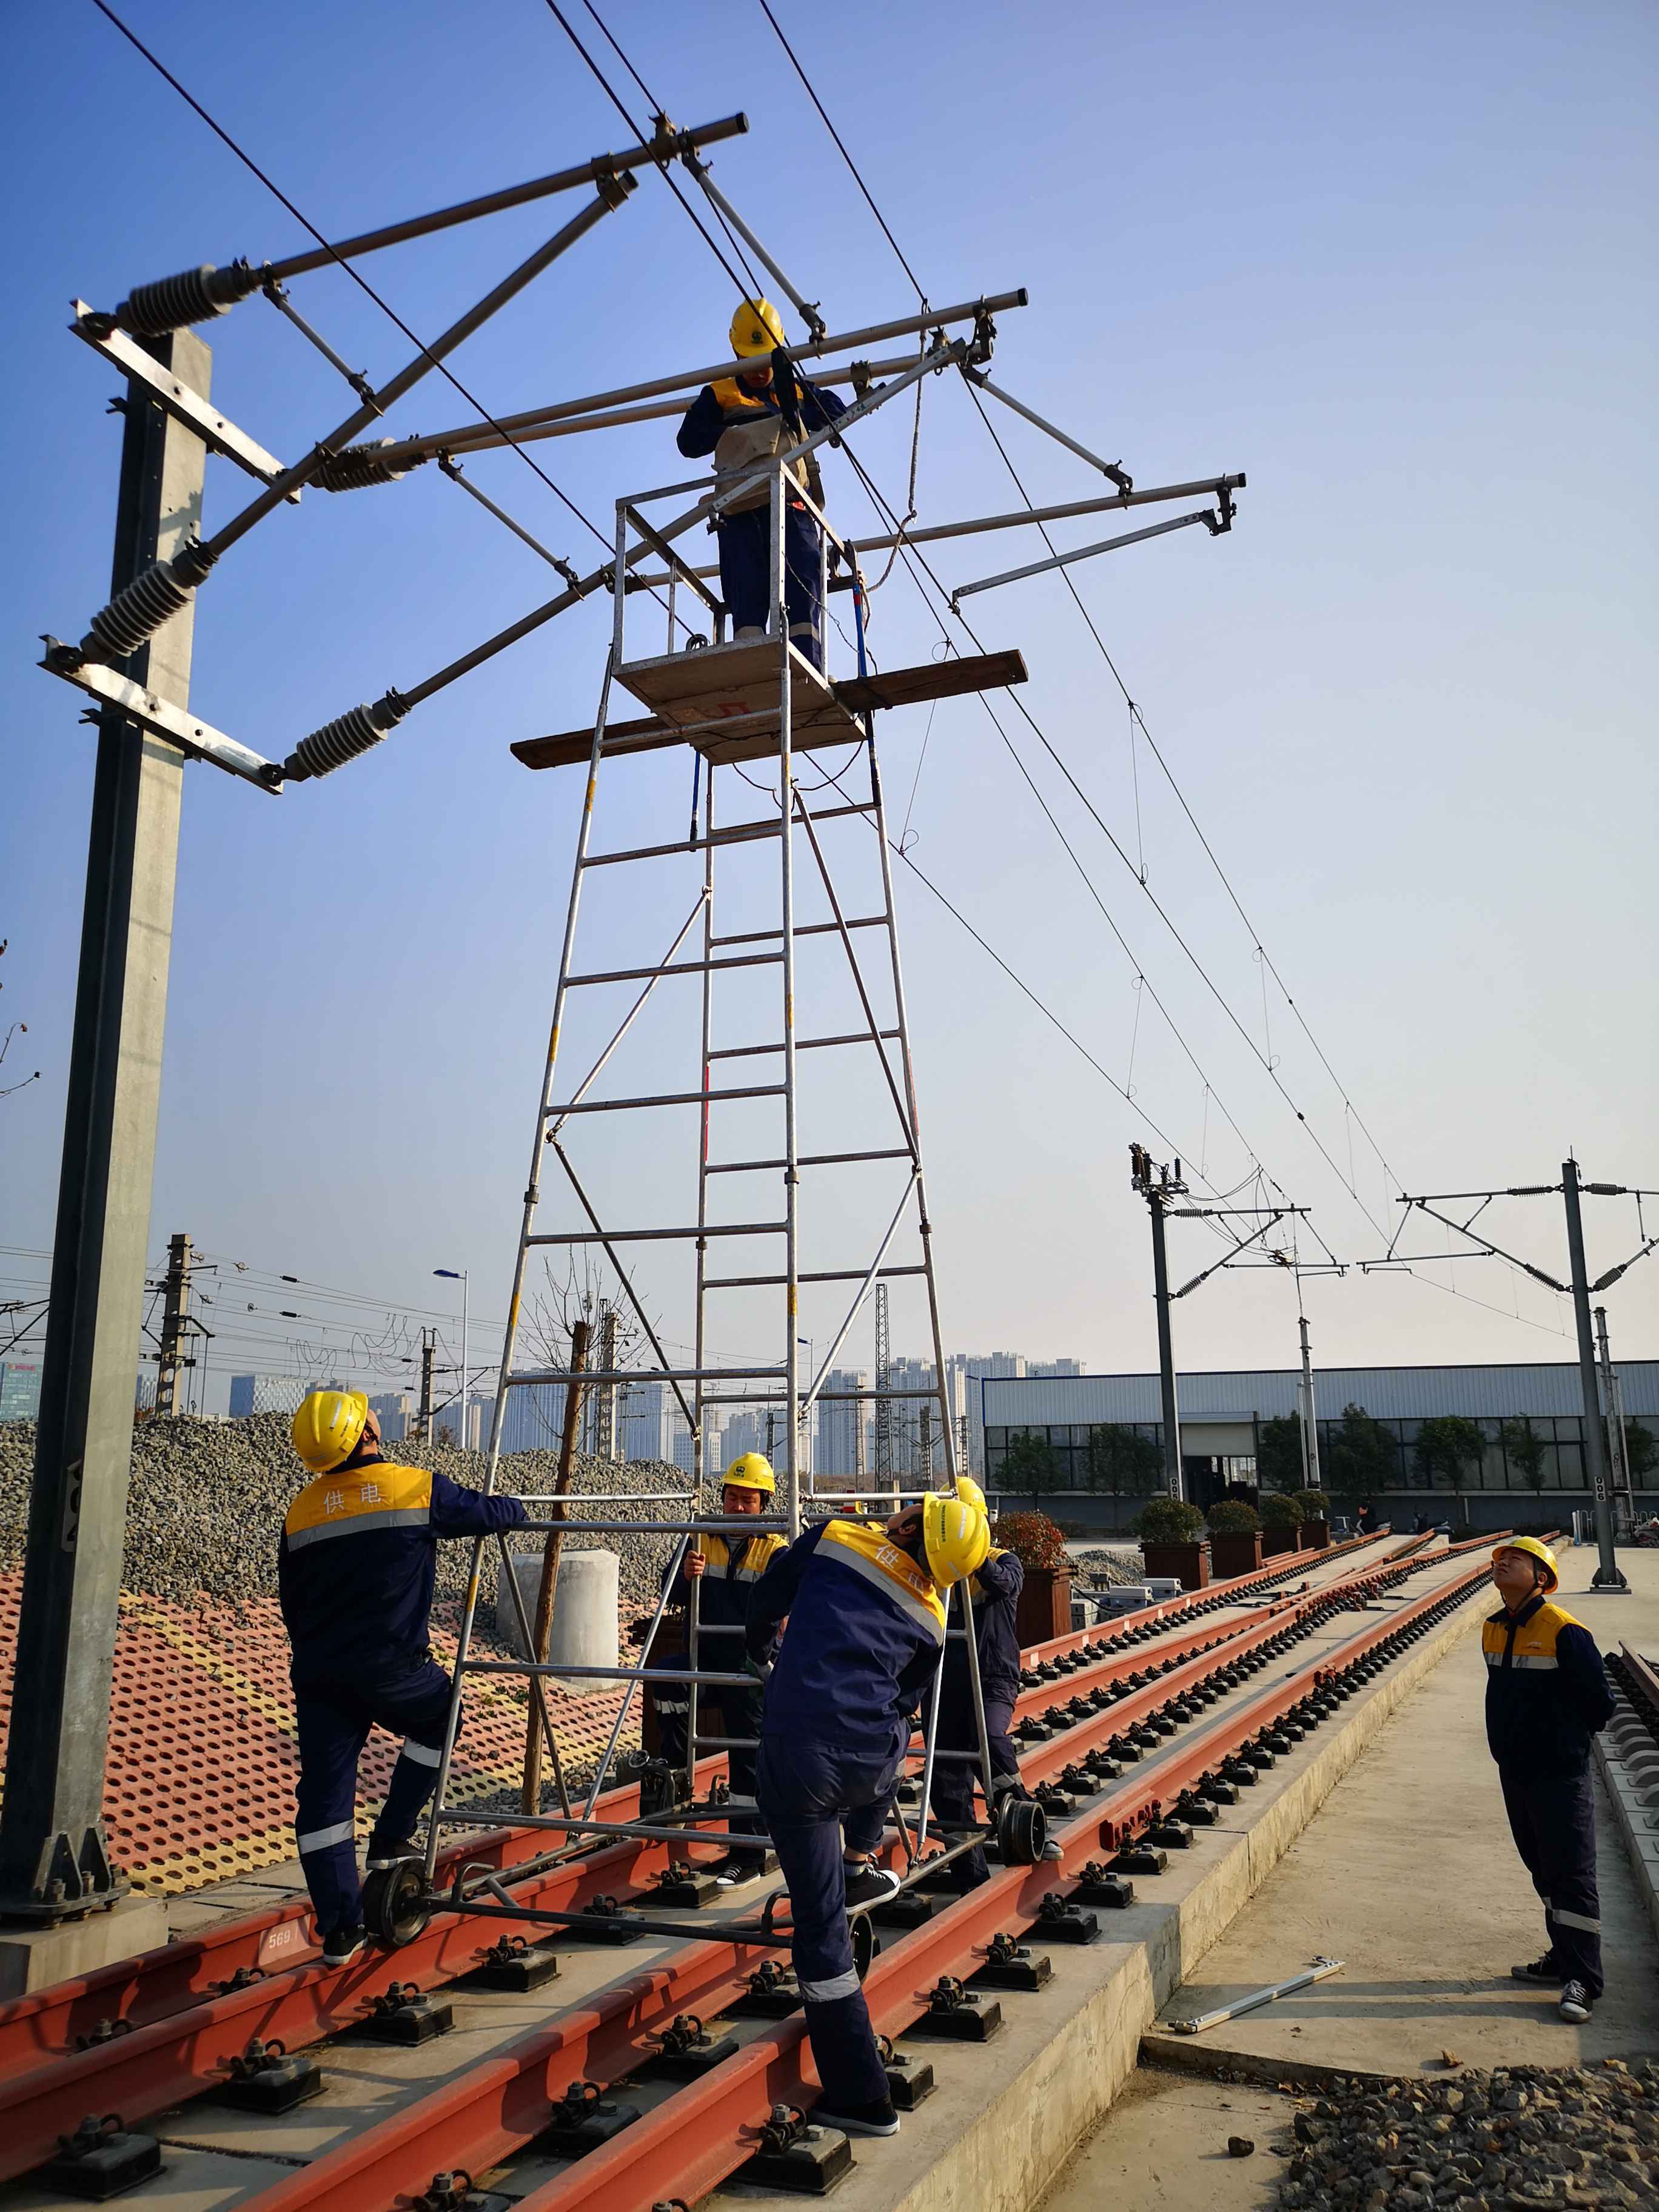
pixel 35 1957
pixel 1179 2054
pixel 1018 2144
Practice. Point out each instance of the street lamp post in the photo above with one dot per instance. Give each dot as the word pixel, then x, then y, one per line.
pixel 464 1276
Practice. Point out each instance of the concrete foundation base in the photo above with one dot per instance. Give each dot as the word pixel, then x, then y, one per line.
pixel 35 1957
pixel 584 1625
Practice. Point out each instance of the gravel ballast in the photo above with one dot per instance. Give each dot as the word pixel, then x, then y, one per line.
pixel 207 1499
pixel 1526 2137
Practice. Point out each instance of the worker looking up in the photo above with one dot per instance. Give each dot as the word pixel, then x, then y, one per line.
pixel 725 1569
pixel 741 420
pixel 355 1567
pixel 867 1627
pixel 1547 1696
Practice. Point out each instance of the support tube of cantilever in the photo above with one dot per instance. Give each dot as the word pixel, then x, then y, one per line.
pixel 982 383
pixel 1082 553
pixel 505 427
pixel 804 308
pixel 561 180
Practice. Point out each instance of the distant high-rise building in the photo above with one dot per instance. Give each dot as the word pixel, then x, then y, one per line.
pixel 642 1421
pixel 269 1393
pixel 394 1411
pixel 273 1393
pixel 974 1364
pixel 834 1456
pixel 19 1390
pixel 532 1419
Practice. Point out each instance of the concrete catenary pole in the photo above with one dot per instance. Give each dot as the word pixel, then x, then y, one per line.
pixel 1607 1575
pixel 175 1309
pixel 1166 1374
pixel 54 1858
pixel 423 1419
pixel 1624 1504
pixel 1309 1417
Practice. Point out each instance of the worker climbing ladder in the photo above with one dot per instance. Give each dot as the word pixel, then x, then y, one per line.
pixel 744 710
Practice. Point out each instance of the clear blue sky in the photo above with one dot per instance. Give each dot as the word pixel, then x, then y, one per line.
pixel 1399 268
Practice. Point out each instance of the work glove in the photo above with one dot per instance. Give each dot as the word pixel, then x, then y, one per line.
pixel 760 1668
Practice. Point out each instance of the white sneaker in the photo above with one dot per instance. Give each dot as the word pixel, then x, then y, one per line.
pixel 1051 1849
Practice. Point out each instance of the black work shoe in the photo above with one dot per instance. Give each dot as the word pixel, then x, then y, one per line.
pixel 877 2120
pixel 343 1945
pixel 869 1884
pixel 1547 1969
pixel 1577 2003
pixel 390 1852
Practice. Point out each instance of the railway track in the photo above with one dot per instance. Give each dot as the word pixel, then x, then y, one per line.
pixel 1114 1728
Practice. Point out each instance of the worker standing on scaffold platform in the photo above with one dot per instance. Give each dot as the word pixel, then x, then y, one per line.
pixel 356 1568
pixel 744 419
pixel 725 1569
pixel 866 1627
pixel 1547 1696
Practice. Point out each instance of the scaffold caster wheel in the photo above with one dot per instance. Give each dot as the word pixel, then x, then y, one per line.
pixel 1021 1831
pixel 395 1908
pixel 864 1945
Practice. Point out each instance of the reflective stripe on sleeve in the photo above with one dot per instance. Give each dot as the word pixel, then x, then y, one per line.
pixel 422 1754
pixel 1575 1920
pixel 320 1838
pixel 838 1985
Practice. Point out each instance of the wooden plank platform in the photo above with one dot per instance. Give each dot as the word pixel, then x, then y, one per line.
pixel 695 694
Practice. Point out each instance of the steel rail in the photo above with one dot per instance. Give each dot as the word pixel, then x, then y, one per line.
pixel 179 2053
pixel 42 2029
pixel 692 2141
pixel 697 2138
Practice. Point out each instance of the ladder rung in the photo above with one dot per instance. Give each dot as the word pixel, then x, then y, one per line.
pixel 807 1160
pixel 739 834
pixel 828 1275
pixel 676 968
pixel 807 929
pixel 802 1044
pixel 663 1099
pixel 656 1236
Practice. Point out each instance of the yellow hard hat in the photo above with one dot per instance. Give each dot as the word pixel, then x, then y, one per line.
pixel 955 1537
pixel 970 1492
pixel 756 328
pixel 328 1428
pixel 1535 1549
pixel 751 1471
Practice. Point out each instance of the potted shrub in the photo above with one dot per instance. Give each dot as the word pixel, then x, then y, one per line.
pixel 1170 1531
pixel 1281 1523
pixel 1315 1519
pixel 1235 1538
pixel 1044 1608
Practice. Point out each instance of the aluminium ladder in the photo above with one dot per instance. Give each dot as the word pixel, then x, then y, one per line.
pixel 737 705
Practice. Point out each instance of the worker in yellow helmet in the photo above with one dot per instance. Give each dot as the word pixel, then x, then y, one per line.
pixel 355 1567
pixel 725 1565
pixel 866 1608
pixel 1547 1697
pixel 761 412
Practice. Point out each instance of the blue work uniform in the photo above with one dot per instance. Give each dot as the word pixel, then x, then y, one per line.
pixel 1547 1696
pixel 356 1568
pixel 867 1627
pixel 733 1567
pixel 746 569
pixel 995 1592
